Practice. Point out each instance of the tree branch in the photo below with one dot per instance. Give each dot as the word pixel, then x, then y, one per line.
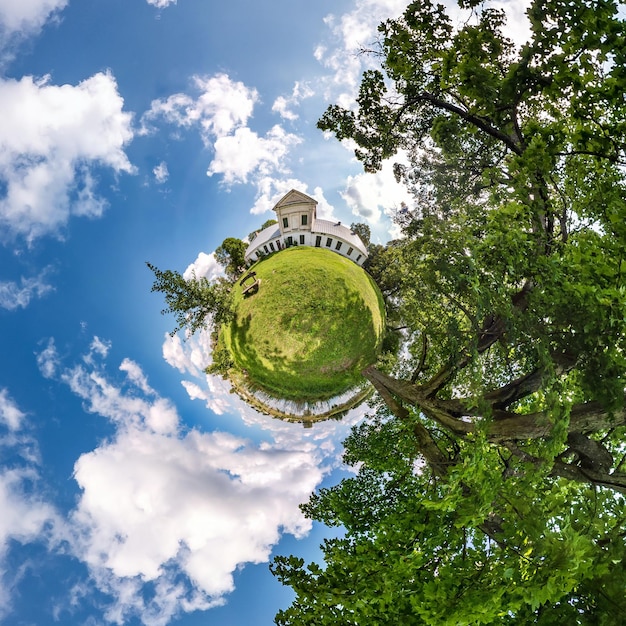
pixel 477 121
pixel 493 328
pixel 436 459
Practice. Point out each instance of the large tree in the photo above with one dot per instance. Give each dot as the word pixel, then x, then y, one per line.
pixel 490 480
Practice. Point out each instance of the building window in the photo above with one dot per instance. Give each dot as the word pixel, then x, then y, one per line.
pixel 358 258
pixel 285 222
pixel 318 241
pixel 338 246
pixel 305 217
pixel 266 250
pixel 272 247
pixel 301 240
pixel 329 242
pixel 350 251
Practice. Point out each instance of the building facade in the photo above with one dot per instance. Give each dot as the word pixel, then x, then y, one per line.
pixel 298 225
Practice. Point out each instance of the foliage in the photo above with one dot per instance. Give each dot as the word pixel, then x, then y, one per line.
pixel 363 231
pixel 195 302
pixel 315 322
pixel 221 362
pixel 231 255
pixel 489 485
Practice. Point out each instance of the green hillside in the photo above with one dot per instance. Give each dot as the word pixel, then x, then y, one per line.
pixel 314 323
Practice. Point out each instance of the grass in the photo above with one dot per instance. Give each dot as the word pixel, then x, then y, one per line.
pixel 315 322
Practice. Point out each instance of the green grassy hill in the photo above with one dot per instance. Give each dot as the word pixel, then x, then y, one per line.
pixel 315 322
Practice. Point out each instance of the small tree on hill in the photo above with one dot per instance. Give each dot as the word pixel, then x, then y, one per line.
pixel 196 302
pixel 363 231
pixel 231 255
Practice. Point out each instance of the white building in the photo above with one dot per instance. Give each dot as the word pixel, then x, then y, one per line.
pixel 298 225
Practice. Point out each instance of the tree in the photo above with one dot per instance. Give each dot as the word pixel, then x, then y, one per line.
pixel 196 302
pixel 363 231
pixel 491 479
pixel 231 255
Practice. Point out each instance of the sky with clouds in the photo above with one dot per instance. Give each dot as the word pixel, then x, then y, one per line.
pixel 134 489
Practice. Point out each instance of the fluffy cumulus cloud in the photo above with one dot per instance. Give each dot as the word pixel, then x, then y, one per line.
pixel 221 111
pixel 166 514
pixel 222 106
pixel 245 153
pixel 50 137
pixel 205 266
pixel 14 295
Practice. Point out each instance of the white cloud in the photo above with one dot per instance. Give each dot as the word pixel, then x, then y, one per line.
pixel 283 104
pixel 166 515
pixel 206 266
pixel 26 516
pixel 136 376
pixel 48 360
pixel 221 112
pixel 49 137
pixel 26 17
pixel 270 190
pixel 325 210
pixel 371 195
pixel 161 173
pixel 222 106
pixel 98 347
pixel 14 295
pixel 352 33
pixel 245 153
pixel 161 4
pixel 10 415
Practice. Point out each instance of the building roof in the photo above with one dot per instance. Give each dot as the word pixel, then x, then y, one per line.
pixel 267 234
pixel 337 229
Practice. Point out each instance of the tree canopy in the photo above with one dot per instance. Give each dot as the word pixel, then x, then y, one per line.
pixel 363 231
pixel 230 254
pixel 196 302
pixel 491 476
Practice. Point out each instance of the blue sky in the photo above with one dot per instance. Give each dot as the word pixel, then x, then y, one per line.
pixel 134 489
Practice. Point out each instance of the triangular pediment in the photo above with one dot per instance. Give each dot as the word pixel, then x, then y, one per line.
pixel 294 197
